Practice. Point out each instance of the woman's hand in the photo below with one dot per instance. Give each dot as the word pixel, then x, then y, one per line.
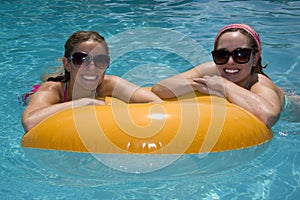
pixel 212 85
pixel 86 102
pixel 36 113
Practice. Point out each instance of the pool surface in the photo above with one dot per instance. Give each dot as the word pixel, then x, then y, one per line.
pixel 149 41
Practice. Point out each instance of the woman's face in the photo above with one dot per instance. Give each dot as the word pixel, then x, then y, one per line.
pixel 90 73
pixel 233 71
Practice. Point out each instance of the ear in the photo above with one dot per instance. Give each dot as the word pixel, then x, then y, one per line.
pixel 67 64
pixel 256 58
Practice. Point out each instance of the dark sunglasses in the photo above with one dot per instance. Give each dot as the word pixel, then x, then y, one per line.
pixel 84 59
pixel 239 55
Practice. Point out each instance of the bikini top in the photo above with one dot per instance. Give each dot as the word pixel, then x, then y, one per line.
pixel 24 98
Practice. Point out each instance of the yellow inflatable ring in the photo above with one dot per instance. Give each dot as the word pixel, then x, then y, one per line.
pixel 186 126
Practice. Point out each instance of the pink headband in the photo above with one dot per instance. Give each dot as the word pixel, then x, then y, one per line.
pixel 244 27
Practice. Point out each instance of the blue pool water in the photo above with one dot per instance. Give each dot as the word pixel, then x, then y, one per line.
pixel 149 40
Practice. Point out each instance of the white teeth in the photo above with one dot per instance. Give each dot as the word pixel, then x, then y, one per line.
pixel 232 70
pixel 91 78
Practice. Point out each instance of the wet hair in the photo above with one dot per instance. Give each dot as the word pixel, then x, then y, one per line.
pixel 259 67
pixel 74 40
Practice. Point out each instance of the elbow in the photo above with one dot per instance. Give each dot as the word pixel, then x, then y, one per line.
pixel 156 89
pixel 270 120
pixel 143 96
pixel 28 124
pixel 162 92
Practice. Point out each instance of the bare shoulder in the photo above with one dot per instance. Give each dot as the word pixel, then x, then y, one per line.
pixel 48 93
pixel 107 86
pixel 265 82
pixel 268 89
pixel 206 69
pixel 111 78
pixel 51 86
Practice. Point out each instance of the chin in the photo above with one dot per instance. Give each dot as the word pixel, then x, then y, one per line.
pixel 88 85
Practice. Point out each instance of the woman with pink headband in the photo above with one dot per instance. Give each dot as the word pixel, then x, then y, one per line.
pixel 236 74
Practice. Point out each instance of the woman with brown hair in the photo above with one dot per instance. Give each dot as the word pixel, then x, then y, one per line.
pixel 236 74
pixel 85 61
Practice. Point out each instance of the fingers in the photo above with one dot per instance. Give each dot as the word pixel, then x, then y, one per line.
pixel 202 80
pixel 200 86
pixel 199 80
pixel 96 102
pixel 87 102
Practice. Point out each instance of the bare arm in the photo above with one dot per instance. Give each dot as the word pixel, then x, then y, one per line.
pixel 181 84
pixel 126 91
pixel 264 100
pixel 47 101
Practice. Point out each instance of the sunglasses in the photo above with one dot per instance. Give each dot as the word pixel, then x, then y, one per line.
pixel 83 59
pixel 239 55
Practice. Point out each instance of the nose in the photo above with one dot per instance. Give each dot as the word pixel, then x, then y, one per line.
pixel 230 60
pixel 91 63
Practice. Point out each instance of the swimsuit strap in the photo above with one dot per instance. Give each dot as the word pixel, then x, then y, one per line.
pixel 24 98
pixel 286 102
pixel 65 92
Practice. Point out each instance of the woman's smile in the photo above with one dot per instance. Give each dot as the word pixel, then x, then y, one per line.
pixel 89 77
pixel 231 71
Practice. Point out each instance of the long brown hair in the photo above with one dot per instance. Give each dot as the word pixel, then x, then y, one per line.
pixel 75 39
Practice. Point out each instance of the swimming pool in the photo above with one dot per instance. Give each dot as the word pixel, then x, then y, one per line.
pixel 33 34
